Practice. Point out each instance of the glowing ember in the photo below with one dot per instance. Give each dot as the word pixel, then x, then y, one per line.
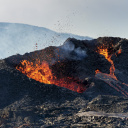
pixel 97 71
pixel 119 51
pixel 42 73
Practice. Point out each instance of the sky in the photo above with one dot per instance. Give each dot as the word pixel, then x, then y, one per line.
pixel 94 18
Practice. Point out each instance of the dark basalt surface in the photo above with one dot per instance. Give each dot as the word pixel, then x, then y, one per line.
pixel 25 102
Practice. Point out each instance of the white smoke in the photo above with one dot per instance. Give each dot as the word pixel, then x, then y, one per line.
pixel 69 51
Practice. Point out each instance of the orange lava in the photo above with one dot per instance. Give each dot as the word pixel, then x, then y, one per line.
pixel 110 78
pixel 97 71
pixel 119 51
pixel 42 73
pixel 104 52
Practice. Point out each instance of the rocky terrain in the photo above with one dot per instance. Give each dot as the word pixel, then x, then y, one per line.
pixel 26 103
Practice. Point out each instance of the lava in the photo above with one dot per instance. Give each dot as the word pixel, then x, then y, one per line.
pixel 104 51
pixel 110 78
pixel 42 73
pixel 119 51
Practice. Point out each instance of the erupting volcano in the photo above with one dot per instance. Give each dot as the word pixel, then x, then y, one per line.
pixel 80 82
pixel 42 73
pixel 49 66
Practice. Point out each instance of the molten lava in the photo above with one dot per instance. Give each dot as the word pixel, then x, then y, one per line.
pixel 110 78
pixel 42 73
pixel 104 52
pixel 119 51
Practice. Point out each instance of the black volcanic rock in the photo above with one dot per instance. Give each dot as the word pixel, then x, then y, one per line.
pixel 121 60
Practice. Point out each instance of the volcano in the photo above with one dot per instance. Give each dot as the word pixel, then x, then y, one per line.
pixel 55 86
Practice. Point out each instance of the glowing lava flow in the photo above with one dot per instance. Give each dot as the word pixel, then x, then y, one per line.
pixel 42 73
pixel 110 78
pixel 104 52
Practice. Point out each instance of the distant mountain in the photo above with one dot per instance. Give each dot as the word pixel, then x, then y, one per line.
pixel 21 38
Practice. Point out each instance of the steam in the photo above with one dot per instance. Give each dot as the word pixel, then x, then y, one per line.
pixel 69 51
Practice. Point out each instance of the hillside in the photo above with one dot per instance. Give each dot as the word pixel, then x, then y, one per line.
pixel 21 38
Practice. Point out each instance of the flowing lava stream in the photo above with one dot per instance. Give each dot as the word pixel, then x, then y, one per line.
pixel 42 73
pixel 110 78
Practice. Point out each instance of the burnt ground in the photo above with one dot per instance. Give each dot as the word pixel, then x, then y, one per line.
pixel 26 103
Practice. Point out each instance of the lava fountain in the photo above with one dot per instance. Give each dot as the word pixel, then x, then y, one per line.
pixel 110 78
pixel 41 72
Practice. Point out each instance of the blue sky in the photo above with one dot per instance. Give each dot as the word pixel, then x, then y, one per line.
pixel 92 18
